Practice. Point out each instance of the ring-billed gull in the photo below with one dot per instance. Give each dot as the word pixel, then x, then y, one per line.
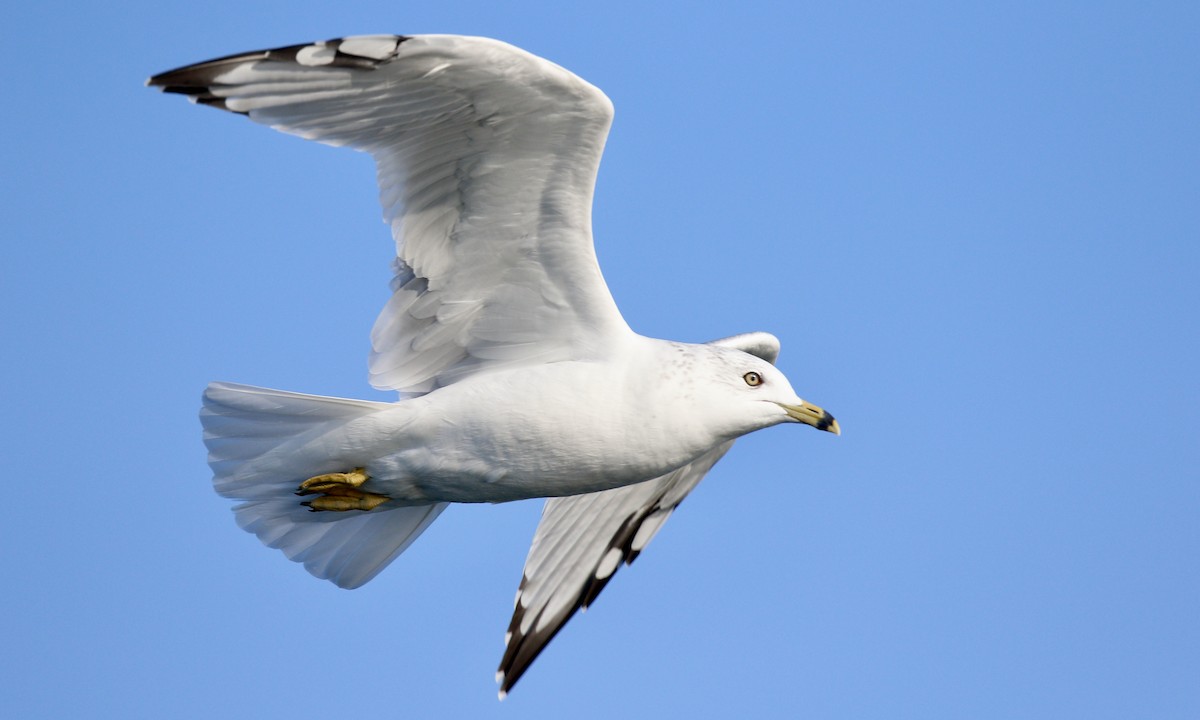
pixel 518 377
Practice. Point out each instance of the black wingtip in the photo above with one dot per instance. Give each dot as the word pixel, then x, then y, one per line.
pixel 522 649
pixel 198 81
pixel 201 75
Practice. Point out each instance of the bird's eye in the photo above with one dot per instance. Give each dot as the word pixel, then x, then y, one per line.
pixel 752 379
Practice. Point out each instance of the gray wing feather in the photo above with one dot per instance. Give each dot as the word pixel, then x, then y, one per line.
pixel 486 157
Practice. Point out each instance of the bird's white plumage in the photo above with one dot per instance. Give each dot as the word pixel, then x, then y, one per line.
pixel 518 375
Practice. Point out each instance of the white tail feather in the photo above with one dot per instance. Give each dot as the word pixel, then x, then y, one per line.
pixel 263 443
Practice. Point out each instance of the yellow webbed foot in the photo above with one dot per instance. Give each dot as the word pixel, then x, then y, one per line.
pixel 323 483
pixel 341 503
pixel 339 492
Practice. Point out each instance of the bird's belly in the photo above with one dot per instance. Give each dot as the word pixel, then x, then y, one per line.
pixel 540 471
pixel 559 446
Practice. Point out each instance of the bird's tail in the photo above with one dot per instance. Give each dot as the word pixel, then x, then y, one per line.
pixel 263 443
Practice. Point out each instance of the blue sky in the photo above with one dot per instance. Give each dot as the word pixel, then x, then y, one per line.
pixel 975 230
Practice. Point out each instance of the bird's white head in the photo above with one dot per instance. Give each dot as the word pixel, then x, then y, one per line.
pixel 742 393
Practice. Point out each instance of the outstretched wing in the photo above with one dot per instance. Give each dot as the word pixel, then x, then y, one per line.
pixel 583 539
pixel 487 158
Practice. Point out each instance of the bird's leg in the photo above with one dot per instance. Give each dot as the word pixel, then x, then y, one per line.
pixel 339 492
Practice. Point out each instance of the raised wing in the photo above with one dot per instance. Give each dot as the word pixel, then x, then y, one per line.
pixel 487 158
pixel 582 540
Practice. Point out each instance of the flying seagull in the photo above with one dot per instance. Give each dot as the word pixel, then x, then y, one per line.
pixel 517 376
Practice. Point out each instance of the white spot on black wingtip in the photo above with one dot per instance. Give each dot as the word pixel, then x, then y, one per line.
pixel 608 563
pixel 646 531
pixel 375 47
pixel 316 55
pixel 364 52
